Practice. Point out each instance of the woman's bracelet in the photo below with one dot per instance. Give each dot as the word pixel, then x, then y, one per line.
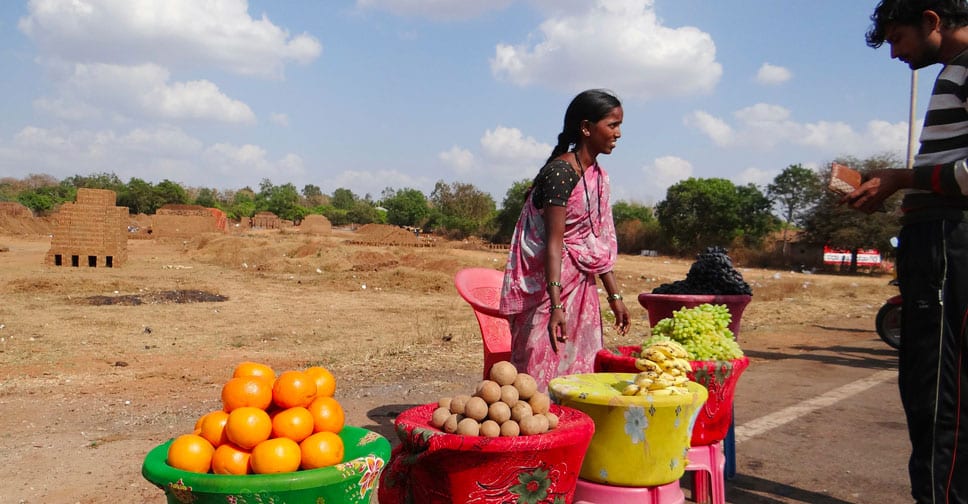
pixel 559 306
pixel 554 284
pixel 615 297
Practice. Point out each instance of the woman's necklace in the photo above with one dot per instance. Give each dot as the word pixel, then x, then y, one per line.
pixel 588 202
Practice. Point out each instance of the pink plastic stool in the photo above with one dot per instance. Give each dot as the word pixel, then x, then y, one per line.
pixel 587 492
pixel 708 462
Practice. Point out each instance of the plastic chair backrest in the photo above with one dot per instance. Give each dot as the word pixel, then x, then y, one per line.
pixel 481 288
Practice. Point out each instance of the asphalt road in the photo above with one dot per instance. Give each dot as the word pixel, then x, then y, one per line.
pixel 818 420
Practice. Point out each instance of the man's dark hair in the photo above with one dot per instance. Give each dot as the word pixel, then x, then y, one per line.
pixel 953 13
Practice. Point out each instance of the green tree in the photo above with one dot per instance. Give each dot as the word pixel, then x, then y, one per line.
pixel 314 195
pixel 462 210
pixel 242 204
pixel 343 199
pixel 511 207
pixel 794 192
pixel 406 207
pixel 699 213
pixel 140 197
pixel 364 212
pixel 170 192
pixel 756 220
pixel 623 211
pixel 636 227
pixel 96 181
pixel 840 227
pixel 207 198
pixel 38 202
pixel 284 202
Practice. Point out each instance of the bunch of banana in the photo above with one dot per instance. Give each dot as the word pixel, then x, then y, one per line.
pixel 664 366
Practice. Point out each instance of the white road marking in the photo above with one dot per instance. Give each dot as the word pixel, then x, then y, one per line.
pixel 760 425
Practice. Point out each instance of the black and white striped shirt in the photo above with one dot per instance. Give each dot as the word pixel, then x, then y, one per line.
pixel 940 171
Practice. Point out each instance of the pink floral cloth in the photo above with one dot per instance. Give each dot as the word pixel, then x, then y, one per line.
pixel 590 249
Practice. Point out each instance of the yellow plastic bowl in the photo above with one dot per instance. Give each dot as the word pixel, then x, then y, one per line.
pixel 639 441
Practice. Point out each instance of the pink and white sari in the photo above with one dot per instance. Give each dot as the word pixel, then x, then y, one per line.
pixel 590 249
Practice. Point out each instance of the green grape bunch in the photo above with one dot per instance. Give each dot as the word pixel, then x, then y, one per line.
pixel 703 331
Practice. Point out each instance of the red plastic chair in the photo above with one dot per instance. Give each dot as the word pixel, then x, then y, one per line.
pixel 481 288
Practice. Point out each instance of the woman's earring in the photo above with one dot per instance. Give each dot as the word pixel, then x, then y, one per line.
pixel 585 132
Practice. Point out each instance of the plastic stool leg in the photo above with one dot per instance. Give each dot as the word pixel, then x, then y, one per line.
pixel 718 478
pixel 700 487
pixel 707 464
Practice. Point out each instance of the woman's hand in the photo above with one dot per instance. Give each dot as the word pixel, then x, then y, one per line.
pixel 556 328
pixel 622 320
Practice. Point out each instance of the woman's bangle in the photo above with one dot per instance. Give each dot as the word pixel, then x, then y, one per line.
pixel 554 284
pixel 615 297
pixel 559 306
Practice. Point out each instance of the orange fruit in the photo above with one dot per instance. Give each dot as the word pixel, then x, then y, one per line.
pixel 212 427
pixel 248 368
pixel 276 455
pixel 325 381
pixel 328 415
pixel 190 452
pixel 322 449
pixel 230 459
pixel 294 423
pixel 248 426
pixel 293 388
pixel 246 391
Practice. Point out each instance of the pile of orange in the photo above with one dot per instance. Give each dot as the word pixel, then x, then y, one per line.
pixel 267 424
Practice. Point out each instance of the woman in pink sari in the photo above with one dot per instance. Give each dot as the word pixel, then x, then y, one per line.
pixel 564 238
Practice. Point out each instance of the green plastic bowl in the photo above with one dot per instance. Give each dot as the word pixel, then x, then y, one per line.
pixel 366 453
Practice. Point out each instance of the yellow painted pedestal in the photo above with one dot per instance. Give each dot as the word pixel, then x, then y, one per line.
pixel 639 441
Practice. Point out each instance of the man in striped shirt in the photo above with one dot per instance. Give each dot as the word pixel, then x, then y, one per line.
pixel 932 261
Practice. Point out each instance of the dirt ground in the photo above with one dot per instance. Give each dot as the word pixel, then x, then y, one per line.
pixel 88 386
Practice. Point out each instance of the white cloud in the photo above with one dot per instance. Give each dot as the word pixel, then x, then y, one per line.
pixel 140 152
pixel 755 176
pixel 174 33
pixel 505 144
pixel 620 39
pixel 765 126
pixel 141 91
pixel 772 74
pixel 664 172
pixel 250 163
pixel 442 10
pixel 714 127
pixel 506 155
pixel 279 119
pixel 148 153
pixel 461 160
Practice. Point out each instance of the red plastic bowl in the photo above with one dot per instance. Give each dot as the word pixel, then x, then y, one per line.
pixel 661 306
pixel 430 466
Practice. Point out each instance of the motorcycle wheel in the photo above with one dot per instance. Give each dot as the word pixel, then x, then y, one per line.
pixel 888 324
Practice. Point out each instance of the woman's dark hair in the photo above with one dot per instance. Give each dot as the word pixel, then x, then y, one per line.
pixel 592 106
pixel 953 14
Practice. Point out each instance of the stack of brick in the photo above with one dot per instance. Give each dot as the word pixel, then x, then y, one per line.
pixel 91 232
pixel 186 221
pixel 266 220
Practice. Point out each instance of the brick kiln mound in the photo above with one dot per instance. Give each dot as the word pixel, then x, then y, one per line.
pixel 382 234
pixel 316 224
pixel 18 220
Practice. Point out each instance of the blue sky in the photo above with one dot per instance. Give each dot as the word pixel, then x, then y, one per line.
pixel 369 94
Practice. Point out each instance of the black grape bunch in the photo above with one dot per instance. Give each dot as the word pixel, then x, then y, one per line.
pixel 712 273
